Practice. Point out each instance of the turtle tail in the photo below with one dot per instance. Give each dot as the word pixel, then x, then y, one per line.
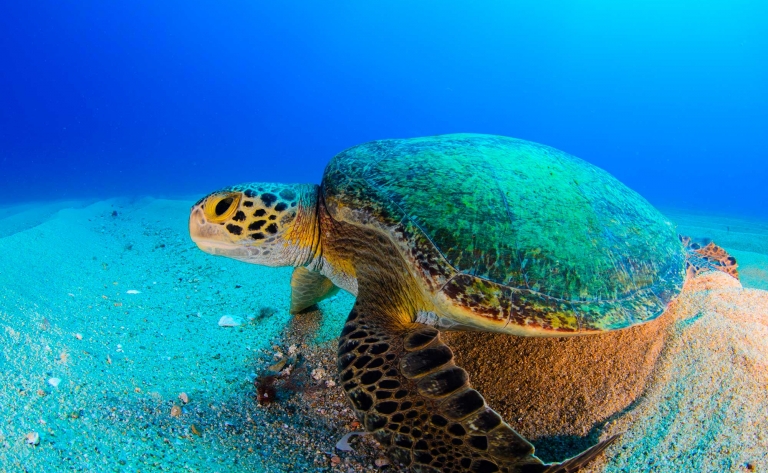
pixel 703 255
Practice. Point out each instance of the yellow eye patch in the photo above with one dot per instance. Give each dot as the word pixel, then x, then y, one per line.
pixel 220 207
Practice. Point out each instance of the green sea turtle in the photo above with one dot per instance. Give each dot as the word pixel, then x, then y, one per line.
pixel 462 232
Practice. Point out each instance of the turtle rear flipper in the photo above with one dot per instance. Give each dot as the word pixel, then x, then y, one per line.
pixel 405 387
pixel 579 461
pixel 308 288
pixel 703 255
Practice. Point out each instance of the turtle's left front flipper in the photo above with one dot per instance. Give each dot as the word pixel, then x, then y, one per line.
pixel 405 387
pixel 308 288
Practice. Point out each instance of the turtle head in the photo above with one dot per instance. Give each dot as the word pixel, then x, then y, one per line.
pixel 262 223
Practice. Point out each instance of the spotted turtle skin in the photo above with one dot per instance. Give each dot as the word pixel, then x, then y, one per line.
pixel 509 235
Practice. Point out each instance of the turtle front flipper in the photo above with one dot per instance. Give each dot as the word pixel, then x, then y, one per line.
pixel 406 389
pixel 308 288
pixel 703 255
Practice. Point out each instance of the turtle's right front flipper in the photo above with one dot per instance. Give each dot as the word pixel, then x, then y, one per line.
pixel 308 288
pixel 407 390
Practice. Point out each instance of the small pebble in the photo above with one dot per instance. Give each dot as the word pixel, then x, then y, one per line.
pixel 33 438
pixel 132 291
pixel 380 462
pixel 335 460
pixel 54 382
pixel 229 321
pixel 175 411
pixel 318 374
pixel 184 398
pixel 278 366
pixel 79 336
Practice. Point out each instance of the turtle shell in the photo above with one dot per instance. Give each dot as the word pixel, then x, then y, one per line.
pixel 514 235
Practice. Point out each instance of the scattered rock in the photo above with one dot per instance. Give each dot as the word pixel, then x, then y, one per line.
pixel 184 398
pixel 335 460
pixel 292 349
pixel 54 382
pixel 381 462
pixel 230 321
pixel 265 390
pixel 175 411
pixel 79 336
pixel 318 374
pixel 278 366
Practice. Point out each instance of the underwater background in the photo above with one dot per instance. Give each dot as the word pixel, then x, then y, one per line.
pixel 126 349
pixel 167 98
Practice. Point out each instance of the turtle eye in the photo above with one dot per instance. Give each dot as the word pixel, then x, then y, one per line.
pixel 220 207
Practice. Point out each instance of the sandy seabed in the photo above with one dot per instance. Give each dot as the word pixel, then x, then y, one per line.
pixel 108 313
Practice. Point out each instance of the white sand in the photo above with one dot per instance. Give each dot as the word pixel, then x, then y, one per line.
pixel 123 359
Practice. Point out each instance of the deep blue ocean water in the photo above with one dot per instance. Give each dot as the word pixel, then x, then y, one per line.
pixel 102 99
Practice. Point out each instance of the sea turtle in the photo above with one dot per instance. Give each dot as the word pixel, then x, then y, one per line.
pixel 462 232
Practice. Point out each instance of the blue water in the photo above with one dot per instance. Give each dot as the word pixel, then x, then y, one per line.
pixel 167 98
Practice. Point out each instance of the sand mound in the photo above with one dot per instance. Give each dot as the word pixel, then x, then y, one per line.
pixel 707 406
pixel 687 391
pixel 556 392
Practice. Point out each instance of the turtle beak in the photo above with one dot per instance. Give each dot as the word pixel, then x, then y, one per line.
pixel 210 238
pixel 200 230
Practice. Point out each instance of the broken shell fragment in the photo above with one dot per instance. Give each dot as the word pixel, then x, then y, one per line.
pixel 230 321
pixel 33 438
